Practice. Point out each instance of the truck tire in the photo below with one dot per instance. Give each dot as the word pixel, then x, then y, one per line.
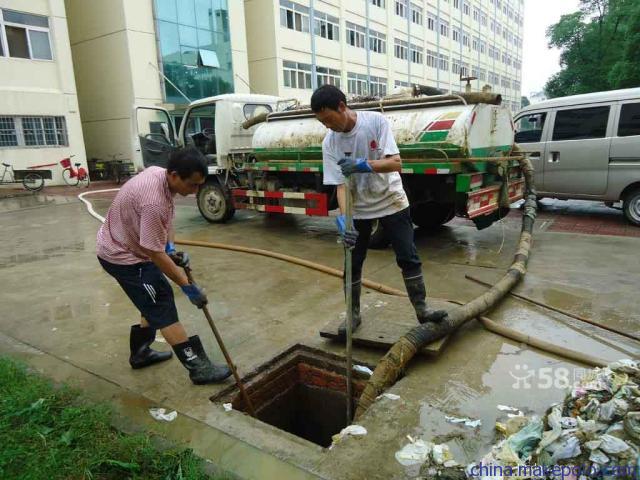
pixel 379 238
pixel 631 207
pixel 215 203
pixel 431 215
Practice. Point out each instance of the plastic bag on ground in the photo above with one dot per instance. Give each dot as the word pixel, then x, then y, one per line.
pixel 526 440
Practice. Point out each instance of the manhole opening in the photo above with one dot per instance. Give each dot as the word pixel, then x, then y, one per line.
pixel 302 391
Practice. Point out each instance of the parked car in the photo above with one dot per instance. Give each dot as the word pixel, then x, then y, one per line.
pixel 586 147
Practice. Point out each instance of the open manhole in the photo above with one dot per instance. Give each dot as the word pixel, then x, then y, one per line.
pixel 301 391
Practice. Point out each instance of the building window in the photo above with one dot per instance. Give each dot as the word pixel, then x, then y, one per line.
pixel 401 49
pixel 483 46
pixel 27 36
pixel 475 44
pixel 401 8
pixel 498 28
pixel 327 76
pixel 456 3
pixel 378 3
pixel 8 132
pixel 378 86
pixel 297 75
pixel 465 40
pixel 294 16
pixel 444 61
pixel 33 132
pixel 326 26
pixel 399 83
pixel 476 14
pixel 466 9
pixel 444 28
pixel 377 42
pixel 455 66
pixel 355 35
pixel 416 14
pixel 464 69
pixel 432 59
pixel 483 19
pixel 455 34
pixel 482 75
pixel 431 22
pixel 416 54
pixel 356 84
pixel 493 25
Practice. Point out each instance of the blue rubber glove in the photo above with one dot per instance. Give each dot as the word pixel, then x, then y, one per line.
pixel 195 294
pixel 358 165
pixel 181 259
pixel 348 236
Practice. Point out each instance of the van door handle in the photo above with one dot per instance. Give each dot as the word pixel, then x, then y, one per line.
pixel 554 157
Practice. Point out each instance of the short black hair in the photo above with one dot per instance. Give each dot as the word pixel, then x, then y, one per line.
pixel 187 161
pixel 327 96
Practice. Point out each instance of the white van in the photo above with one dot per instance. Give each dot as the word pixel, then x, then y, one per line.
pixel 586 147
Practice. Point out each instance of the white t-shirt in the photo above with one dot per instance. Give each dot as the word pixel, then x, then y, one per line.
pixel 376 194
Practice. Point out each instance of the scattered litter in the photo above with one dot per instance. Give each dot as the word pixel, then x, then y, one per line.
pixel 414 453
pixel 106 304
pixel 353 430
pixel 363 369
pixel 161 414
pixel 227 407
pixel 507 408
pixel 161 339
pixel 390 396
pixel 467 421
pixel 54 329
pixel 380 304
pixel 597 425
pixel 441 454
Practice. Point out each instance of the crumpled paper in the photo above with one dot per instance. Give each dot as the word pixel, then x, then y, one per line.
pixel 162 415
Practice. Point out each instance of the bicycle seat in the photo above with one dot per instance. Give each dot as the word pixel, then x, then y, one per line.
pixel 77 164
pixel 6 164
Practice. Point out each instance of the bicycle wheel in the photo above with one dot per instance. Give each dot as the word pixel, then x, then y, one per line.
pixel 68 179
pixel 33 182
pixel 84 181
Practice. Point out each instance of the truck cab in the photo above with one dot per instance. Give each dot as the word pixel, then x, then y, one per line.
pixel 214 126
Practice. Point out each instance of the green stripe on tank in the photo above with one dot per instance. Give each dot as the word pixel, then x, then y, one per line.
pixel 437 136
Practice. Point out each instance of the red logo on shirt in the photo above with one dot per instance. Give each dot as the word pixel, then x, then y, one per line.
pixel 373 145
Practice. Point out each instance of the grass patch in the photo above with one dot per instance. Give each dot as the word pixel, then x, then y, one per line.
pixel 48 432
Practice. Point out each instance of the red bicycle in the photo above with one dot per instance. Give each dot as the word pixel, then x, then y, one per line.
pixel 75 177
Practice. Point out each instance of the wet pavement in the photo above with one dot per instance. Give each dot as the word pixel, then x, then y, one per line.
pixel 70 320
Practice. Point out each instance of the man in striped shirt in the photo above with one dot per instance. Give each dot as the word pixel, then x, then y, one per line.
pixel 135 246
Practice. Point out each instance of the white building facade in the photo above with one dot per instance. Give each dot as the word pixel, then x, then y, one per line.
pixel 39 115
pixel 372 46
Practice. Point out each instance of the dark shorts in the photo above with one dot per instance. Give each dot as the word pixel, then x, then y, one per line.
pixel 148 289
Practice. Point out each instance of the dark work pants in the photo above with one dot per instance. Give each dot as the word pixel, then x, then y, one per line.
pixel 399 228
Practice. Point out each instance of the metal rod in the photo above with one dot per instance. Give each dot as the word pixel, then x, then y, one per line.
pixel 559 310
pixel 243 392
pixel 348 282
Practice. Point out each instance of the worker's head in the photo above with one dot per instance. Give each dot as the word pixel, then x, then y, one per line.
pixel 330 107
pixel 186 170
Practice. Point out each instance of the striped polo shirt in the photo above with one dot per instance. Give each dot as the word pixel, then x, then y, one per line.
pixel 141 215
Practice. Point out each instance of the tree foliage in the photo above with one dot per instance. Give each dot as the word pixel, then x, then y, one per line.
pixel 600 45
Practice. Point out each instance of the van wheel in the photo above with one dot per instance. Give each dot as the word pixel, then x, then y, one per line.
pixel 631 207
pixel 379 238
pixel 215 203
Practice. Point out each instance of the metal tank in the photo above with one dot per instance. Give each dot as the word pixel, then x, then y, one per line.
pixel 421 129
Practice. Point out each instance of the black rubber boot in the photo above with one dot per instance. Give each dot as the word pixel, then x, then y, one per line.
pixel 201 371
pixel 142 355
pixel 356 287
pixel 418 295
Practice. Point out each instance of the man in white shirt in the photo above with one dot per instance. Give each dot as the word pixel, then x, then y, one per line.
pixel 362 144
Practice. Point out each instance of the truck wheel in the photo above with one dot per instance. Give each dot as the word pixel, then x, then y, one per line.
pixel 379 238
pixel 631 207
pixel 214 202
pixel 432 214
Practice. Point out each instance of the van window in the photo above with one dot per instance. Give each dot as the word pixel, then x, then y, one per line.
pixel 629 120
pixel 581 123
pixel 529 128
